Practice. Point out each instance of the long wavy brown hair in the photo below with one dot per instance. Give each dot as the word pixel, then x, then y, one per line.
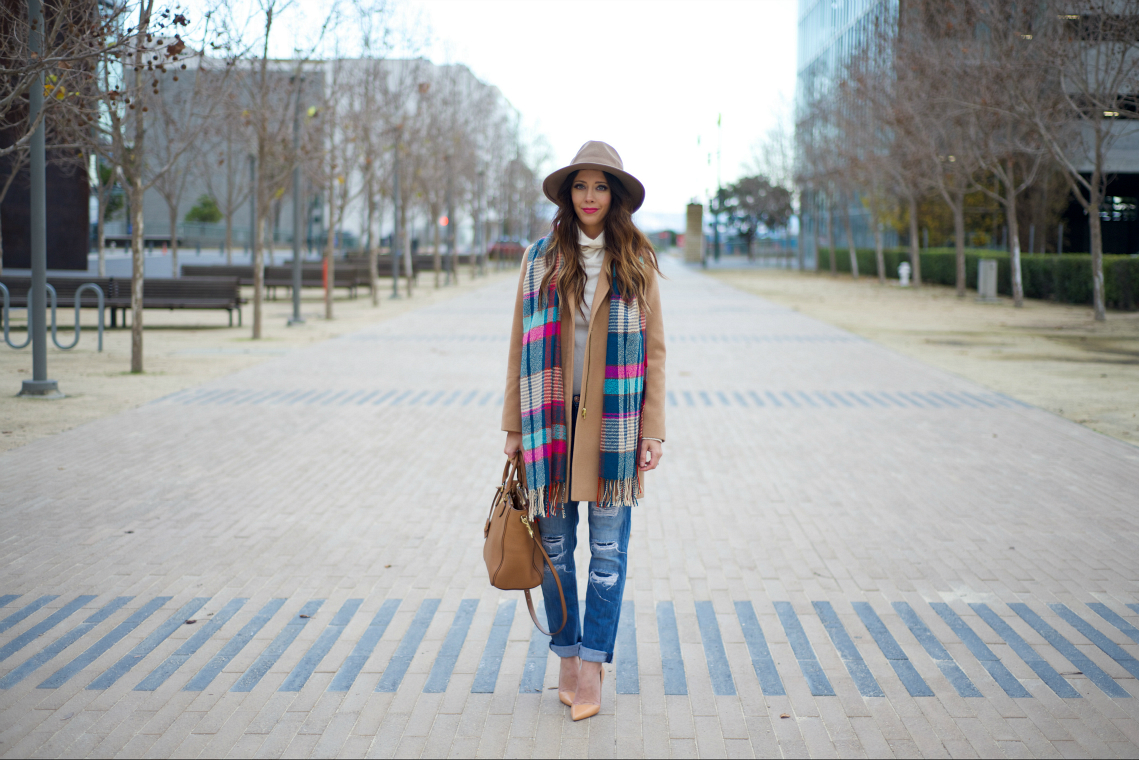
pixel 629 250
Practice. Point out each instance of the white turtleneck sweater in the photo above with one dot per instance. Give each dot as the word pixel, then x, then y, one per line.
pixel 592 256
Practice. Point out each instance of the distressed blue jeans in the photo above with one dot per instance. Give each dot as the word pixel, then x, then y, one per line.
pixel 608 546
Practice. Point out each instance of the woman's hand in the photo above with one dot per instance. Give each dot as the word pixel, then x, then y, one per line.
pixel 513 444
pixel 651 452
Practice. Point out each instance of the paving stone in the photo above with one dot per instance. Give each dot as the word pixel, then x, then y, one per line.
pixel 809 497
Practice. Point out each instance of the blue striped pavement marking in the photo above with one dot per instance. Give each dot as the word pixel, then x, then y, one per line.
pixel 22 613
pixel 449 653
pixel 217 663
pixel 405 652
pixel 354 663
pixel 717 659
pixel 265 662
pixel 158 676
pixel 1042 669
pixel 847 651
pixel 1107 614
pixel 761 660
pixel 96 650
pixel 148 645
pixel 1109 647
pixel 671 659
pixel 907 674
pixel 794 399
pixel 817 681
pixel 486 677
pixel 1134 608
pixel 8 599
pixel 52 620
pixel 45 655
pixel 938 653
pixel 537 655
pixel 1082 662
pixel 989 661
pixel 329 636
pixel 628 678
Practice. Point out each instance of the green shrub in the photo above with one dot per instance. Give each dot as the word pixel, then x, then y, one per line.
pixel 205 210
pixel 1066 278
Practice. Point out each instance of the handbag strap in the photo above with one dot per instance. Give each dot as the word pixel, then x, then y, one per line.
pixel 520 470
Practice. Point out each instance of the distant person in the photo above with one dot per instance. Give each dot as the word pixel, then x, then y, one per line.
pixel 587 327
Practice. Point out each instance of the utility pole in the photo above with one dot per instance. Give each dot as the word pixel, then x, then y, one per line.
pixel 395 222
pixel 298 274
pixel 39 386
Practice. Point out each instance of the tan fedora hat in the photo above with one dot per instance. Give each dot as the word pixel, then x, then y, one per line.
pixel 601 156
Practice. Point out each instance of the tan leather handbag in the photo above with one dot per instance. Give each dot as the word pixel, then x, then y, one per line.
pixel 513 550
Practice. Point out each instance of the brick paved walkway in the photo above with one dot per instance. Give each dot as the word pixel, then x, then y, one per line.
pixel 845 552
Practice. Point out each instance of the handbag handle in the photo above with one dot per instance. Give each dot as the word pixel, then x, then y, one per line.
pixel 520 469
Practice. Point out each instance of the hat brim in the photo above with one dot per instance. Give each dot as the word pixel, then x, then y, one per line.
pixel 631 184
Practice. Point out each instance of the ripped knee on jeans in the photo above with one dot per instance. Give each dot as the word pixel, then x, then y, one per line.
pixel 554 546
pixel 603 579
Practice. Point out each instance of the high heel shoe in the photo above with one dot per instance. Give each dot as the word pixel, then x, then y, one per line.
pixel 581 712
pixel 566 697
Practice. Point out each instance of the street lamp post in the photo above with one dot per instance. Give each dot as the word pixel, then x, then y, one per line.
pixel 39 386
pixel 452 278
pixel 297 319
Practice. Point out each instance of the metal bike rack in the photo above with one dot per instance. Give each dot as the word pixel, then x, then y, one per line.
pixel 54 327
pixel 4 319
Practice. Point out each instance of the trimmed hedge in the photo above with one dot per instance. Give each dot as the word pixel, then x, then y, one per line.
pixel 1066 278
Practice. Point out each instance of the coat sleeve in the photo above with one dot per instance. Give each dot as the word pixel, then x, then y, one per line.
pixel 512 398
pixel 653 422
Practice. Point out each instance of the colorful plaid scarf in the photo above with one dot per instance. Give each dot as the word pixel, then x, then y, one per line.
pixel 543 398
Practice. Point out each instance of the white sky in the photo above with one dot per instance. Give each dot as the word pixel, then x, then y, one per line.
pixel 648 77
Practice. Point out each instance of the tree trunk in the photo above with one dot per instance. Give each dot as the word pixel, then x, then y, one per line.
pixel 832 239
pixel 174 242
pixel 100 231
pixel 959 240
pixel 330 237
pixel 373 267
pixel 1014 240
pixel 229 239
pixel 1098 299
pixel 915 252
pixel 850 244
pixel 435 257
pixel 138 262
pixel 879 254
pixel 816 218
pixel 409 275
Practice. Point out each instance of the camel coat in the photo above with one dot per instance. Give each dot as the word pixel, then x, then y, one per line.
pixel 586 458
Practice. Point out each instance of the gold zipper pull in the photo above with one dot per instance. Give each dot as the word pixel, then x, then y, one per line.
pixel 583 412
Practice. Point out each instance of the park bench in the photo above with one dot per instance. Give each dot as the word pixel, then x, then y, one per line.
pixel 157 293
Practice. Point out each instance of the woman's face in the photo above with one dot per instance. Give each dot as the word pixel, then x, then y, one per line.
pixel 591 198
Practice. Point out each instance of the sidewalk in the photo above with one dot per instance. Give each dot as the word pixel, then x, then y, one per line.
pixel 845 552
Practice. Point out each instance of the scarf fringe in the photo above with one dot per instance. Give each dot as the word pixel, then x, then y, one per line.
pixel 619 493
pixel 543 501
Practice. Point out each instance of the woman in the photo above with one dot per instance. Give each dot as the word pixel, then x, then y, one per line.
pixel 587 327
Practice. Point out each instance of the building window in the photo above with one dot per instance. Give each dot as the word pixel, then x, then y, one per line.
pixel 1117 209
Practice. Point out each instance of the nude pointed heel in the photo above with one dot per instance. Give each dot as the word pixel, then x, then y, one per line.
pixel 581 712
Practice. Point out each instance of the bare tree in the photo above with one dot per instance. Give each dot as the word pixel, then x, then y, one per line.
pixel 1089 50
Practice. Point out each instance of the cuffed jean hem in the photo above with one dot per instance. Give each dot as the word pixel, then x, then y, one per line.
pixel 573 650
pixel 585 653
